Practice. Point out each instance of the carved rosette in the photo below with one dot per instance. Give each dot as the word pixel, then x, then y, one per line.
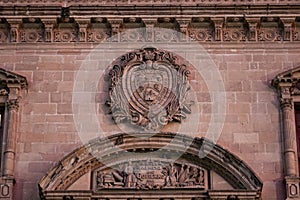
pixel 165 35
pixel 135 35
pixel 65 36
pixel 149 88
pixel 94 35
pixel 201 35
pixel 234 35
pixel 98 30
pixel 269 35
pixel 31 35
pixel 271 29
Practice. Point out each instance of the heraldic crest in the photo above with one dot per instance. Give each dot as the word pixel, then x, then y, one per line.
pixel 149 88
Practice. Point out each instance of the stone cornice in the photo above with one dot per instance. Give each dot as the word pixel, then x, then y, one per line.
pixel 152 10
pixel 224 23
pixel 146 2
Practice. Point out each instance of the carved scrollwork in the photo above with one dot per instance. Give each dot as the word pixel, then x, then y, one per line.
pixel 65 36
pixel 135 35
pixel 166 35
pixel 201 35
pixel 269 35
pixel 149 88
pixel 31 36
pixel 271 29
pixel 97 36
pixel 234 35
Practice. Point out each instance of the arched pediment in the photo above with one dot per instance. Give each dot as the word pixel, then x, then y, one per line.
pixel 107 160
pixel 7 77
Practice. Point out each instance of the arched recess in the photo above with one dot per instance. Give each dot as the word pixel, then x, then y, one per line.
pixel 94 171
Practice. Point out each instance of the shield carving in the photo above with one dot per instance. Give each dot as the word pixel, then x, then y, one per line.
pixel 149 89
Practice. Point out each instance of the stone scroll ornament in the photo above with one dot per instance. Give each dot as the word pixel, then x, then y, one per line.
pixel 149 88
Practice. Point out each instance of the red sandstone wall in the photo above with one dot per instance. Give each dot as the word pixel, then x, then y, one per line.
pixel 47 131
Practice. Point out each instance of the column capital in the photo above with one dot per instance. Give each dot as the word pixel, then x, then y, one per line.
pixel 13 104
pixel 286 103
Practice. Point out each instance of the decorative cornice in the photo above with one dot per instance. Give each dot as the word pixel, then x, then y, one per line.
pixel 146 2
pixel 230 22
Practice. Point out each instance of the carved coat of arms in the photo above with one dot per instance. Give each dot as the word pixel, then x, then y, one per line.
pixel 149 88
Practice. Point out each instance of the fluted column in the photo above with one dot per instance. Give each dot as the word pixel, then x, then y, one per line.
pixel 9 153
pixel 289 136
pixel 12 117
pixel 289 141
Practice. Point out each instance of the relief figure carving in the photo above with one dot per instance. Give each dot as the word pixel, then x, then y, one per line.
pixel 150 175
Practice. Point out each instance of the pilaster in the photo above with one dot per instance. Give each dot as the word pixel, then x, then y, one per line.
pixel 219 22
pixel 288 23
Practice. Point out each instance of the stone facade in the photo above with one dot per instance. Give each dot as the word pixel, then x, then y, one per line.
pixel 255 48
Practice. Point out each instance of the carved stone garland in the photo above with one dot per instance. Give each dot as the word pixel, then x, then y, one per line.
pixel 149 88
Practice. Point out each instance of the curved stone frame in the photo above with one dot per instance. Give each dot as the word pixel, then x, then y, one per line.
pixel 81 161
pixel 286 84
pixel 11 86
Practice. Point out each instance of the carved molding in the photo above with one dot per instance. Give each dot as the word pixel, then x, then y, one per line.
pixel 156 96
pixel 73 24
pixel 122 171
pixel 144 2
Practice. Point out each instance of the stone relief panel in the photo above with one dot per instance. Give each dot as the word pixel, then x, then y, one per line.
pixel 150 174
pixel 201 29
pixel 170 32
pixel 98 30
pixel 32 30
pixel 270 29
pixel 149 88
pixel 66 29
pixel 236 29
pixel 135 30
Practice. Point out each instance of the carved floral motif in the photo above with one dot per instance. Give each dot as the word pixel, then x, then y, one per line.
pixel 201 34
pixel 235 35
pixel 149 88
